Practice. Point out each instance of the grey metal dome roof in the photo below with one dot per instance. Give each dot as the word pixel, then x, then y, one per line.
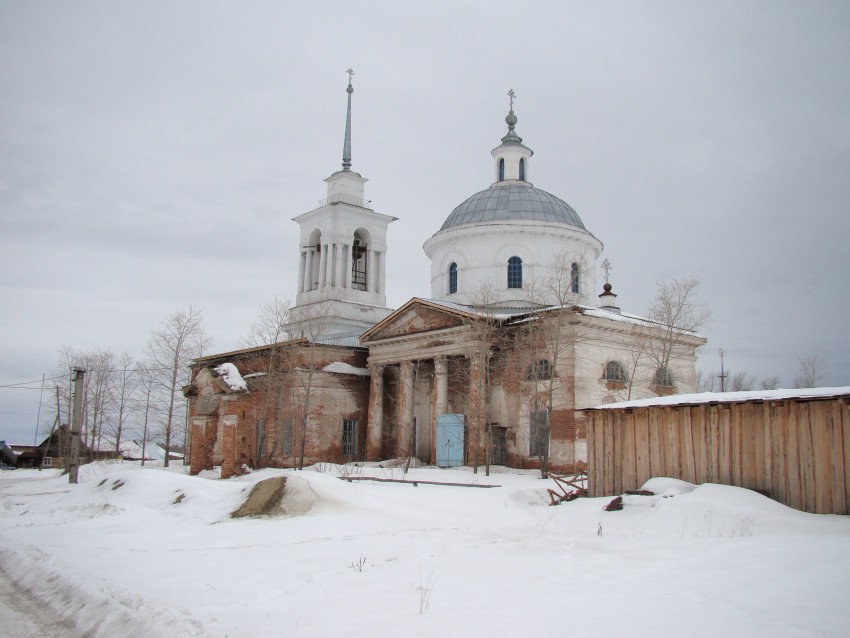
pixel 502 202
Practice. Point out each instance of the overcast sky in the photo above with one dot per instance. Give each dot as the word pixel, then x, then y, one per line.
pixel 152 155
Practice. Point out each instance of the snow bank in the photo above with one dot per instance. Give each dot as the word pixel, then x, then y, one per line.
pixel 132 552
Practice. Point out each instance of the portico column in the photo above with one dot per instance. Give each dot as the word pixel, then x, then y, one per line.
pixel 476 408
pixel 405 412
pixel 441 399
pixel 375 427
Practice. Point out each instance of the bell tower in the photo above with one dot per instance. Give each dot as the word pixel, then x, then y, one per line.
pixel 342 255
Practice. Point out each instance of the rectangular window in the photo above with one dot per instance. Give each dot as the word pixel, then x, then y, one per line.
pixel 349 437
pixel 539 443
pixel 47 461
pixel 286 444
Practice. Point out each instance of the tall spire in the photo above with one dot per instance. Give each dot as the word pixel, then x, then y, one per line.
pixel 511 121
pixel 346 148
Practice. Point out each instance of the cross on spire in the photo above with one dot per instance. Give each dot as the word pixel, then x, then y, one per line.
pixel 606 266
pixel 350 74
pixel 511 95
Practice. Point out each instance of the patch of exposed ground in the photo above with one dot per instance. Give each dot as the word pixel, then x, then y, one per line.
pixel 264 499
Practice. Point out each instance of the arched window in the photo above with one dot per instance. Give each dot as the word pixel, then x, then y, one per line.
pixel 574 278
pixel 514 272
pixel 663 378
pixel 614 372
pixel 539 370
pixel 452 278
pixel 359 266
pixel 501 169
pixel 522 168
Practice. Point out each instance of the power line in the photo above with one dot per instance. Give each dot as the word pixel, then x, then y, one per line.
pixel 39 381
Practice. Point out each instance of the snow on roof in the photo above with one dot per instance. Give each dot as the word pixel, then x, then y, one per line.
pixel 231 376
pixel 133 450
pixel 729 397
pixel 343 368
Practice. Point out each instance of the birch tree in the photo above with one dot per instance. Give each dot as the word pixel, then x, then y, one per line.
pixel 678 312
pixel 179 339
pixel 271 329
pixel 811 373
pixel 549 340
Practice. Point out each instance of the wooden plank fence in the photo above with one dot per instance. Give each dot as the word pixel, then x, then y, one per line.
pixel 797 451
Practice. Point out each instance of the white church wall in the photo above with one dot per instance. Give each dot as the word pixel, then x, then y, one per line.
pixel 481 252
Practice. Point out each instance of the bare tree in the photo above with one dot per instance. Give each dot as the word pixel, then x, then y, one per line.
pixel 769 383
pixel 122 386
pixel 741 382
pixel 311 323
pixel 179 339
pixel 549 339
pixel 811 373
pixel 484 301
pixel 145 402
pixel 96 400
pixel 271 329
pixel 707 382
pixel 679 313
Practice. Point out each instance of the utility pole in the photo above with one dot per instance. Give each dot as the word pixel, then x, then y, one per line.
pixel 723 374
pixel 38 416
pixel 74 466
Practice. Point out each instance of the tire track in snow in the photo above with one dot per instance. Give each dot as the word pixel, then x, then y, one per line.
pixel 25 617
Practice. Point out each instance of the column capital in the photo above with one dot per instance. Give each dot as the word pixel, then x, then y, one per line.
pixel 441 364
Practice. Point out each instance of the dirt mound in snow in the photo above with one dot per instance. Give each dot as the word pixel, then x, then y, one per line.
pixel 278 496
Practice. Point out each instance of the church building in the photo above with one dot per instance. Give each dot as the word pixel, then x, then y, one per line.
pixel 493 367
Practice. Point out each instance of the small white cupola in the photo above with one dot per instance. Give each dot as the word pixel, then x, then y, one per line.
pixel 511 155
pixel 608 300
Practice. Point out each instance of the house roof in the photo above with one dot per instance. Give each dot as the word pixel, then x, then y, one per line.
pixel 334 341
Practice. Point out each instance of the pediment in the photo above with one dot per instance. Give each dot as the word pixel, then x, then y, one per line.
pixel 413 318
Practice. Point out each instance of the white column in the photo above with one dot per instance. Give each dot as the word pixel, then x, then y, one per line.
pixel 323 265
pixel 346 276
pixel 370 271
pixel 308 270
pixel 381 272
pixel 340 260
pixel 301 259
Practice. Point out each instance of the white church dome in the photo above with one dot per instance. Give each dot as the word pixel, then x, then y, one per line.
pixel 520 201
pixel 505 239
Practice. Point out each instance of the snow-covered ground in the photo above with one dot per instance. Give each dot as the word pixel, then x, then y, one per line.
pixel 133 551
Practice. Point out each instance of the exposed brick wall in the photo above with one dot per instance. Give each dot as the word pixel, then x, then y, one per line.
pixel 228 446
pixel 274 398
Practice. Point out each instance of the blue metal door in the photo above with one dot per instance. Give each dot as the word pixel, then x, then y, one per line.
pixel 449 440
